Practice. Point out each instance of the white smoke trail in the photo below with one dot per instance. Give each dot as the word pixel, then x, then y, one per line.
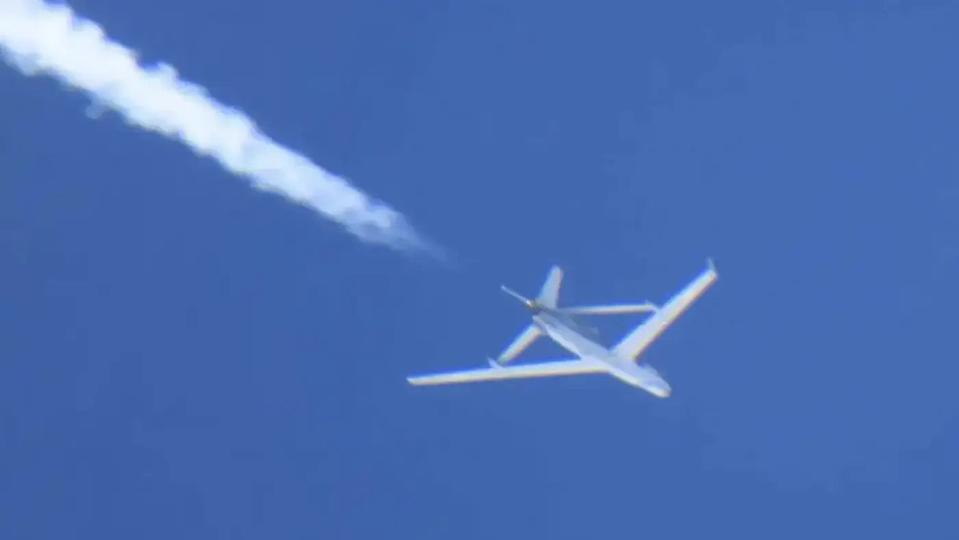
pixel 41 38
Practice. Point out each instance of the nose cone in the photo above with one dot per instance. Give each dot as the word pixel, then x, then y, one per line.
pixel 662 390
pixel 644 377
pixel 655 383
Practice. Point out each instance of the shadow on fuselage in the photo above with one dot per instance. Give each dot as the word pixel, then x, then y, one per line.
pixel 565 319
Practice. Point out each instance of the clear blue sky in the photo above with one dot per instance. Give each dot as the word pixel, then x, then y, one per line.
pixel 183 357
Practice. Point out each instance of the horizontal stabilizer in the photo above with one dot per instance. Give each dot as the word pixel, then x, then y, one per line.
pixel 540 369
pixel 520 344
pixel 612 309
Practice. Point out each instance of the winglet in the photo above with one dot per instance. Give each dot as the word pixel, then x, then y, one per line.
pixel 712 265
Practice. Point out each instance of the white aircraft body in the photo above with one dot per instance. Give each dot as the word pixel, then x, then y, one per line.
pixel 559 324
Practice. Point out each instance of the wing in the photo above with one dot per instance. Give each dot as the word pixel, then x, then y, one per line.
pixel 543 369
pixel 613 309
pixel 636 341
pixel 522 341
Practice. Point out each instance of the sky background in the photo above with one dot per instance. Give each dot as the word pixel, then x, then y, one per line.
pixel 184 357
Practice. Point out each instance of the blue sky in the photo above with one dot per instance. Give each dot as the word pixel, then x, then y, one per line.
pixel 183 357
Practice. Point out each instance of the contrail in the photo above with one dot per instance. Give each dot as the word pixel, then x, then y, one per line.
pixel 41 38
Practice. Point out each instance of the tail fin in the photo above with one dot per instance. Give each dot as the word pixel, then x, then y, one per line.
pixel 549 294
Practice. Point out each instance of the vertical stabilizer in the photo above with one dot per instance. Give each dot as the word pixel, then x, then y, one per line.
pixel 549 295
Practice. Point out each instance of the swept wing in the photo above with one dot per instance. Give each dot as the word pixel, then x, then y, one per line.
pixel 541 369
pixel 636 341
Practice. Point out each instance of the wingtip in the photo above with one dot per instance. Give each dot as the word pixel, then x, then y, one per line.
pixel 711 265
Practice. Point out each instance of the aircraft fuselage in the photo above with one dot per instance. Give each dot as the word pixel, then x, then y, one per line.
pixel 560 328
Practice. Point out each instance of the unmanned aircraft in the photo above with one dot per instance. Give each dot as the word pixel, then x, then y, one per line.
pixel 559 324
